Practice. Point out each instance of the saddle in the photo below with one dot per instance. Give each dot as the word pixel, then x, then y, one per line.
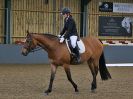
pixel 79 45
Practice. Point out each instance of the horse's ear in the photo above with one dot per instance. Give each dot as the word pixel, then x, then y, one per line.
pixel 28 32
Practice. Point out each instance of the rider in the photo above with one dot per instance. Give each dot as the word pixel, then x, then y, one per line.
pixel 69 31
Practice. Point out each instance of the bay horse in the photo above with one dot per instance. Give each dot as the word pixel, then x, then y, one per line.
pixel 59 55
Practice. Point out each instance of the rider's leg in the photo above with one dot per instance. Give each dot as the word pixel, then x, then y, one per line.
pixel 76 51
pixel 73 41
pixel 75 48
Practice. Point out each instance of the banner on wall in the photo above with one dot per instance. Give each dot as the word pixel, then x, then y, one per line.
pixel 123 7
pixel 115 26
pixel 116 7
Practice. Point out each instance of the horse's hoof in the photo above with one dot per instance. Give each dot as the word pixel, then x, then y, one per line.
pixel 46 94
pixel 76 92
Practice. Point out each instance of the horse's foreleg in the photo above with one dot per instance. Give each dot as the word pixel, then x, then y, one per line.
pixel 68 73
pixel 53 71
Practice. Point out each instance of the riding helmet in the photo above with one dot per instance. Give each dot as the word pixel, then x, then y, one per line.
pixel 65 11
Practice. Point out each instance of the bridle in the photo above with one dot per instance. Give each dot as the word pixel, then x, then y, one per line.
pixel 28 45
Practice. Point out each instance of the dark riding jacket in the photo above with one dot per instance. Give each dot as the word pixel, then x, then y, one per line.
pixel 69 28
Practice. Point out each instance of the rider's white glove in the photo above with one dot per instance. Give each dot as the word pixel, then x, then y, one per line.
pixel 62 39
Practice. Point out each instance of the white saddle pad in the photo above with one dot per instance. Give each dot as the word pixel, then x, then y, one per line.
pixel 80 45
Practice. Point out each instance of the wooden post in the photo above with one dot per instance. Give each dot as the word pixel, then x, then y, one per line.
pixel 7 38
pixel 84 17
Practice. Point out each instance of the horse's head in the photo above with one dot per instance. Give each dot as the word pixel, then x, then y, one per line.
pixel 29 44
pixel 126 23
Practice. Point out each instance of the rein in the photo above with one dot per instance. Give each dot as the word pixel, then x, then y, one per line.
pixel 36 49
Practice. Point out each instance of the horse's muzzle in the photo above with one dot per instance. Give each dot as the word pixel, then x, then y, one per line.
pixel 24 52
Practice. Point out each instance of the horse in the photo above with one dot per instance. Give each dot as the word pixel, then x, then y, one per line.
pixel 59 55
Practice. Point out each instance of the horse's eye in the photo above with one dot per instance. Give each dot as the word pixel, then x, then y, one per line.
pixel 28 41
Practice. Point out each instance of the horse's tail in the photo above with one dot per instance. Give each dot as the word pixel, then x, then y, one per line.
pixel 105 75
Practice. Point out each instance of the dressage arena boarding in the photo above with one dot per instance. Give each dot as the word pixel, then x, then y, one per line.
pixel 30 82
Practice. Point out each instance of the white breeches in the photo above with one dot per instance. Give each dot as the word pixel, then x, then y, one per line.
pixel 73 41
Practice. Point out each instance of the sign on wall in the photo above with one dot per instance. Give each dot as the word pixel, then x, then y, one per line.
pixel 123 7
pixel 115 26
pixel 116 7
pixel 105 6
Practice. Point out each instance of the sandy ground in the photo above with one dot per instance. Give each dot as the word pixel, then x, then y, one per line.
pixel 30 82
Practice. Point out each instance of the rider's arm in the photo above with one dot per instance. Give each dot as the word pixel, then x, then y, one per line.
pixel 64 28
pixel 63 31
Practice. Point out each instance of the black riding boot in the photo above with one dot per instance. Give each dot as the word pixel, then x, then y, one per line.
pixel 76 51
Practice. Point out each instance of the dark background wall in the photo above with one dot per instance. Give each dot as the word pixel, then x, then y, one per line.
pixel 11 54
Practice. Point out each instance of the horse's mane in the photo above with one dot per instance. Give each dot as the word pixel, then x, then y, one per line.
pixel 51 36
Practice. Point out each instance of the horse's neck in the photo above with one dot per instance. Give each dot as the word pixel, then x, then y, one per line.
pixel 44 42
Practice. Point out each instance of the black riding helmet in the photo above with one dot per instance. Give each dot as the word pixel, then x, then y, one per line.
pixel 65 11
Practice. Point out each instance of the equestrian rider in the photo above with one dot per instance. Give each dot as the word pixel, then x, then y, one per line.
pixel 69 32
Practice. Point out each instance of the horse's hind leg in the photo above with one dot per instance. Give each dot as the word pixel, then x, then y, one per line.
pixel 68 73
pixel 93 65
pixel 53 71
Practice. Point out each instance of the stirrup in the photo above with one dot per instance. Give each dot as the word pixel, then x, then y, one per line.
pixel 75 60
pixel 78 59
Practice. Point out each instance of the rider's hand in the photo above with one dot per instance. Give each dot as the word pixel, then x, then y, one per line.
pixel 62 39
